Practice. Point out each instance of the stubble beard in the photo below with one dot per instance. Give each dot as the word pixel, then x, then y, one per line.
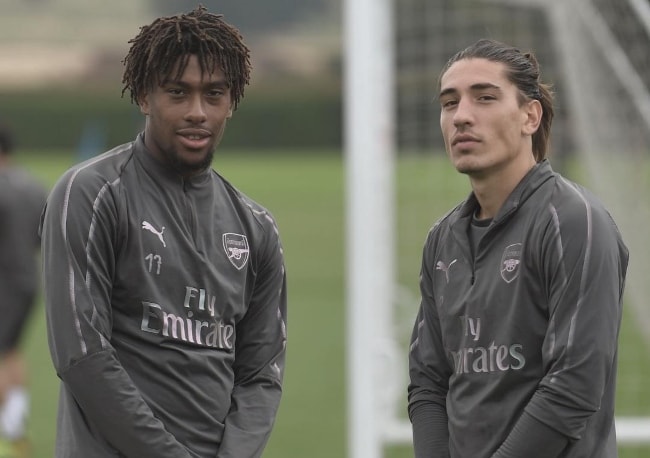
pixel 466 165
pixel 186 168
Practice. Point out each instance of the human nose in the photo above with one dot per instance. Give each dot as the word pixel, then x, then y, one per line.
pixel 195 111
pixel 462 113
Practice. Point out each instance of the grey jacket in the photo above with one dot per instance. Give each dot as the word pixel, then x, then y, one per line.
pixel 166 311
pixel 528 323
pixel 22 198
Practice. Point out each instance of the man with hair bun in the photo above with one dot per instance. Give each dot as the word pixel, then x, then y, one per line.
pixel 514 349
pixel 164 285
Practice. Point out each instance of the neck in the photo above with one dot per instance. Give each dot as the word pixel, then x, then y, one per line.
pixel 492 189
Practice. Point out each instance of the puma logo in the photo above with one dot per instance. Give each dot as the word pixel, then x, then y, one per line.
pixel 445 268
pixel 147 226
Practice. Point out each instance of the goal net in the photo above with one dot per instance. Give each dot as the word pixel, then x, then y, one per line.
pixel 595 53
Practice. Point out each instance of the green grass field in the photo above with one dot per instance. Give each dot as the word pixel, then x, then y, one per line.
pixel 306 194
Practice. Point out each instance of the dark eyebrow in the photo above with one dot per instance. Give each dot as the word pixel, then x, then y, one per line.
pixel 473 87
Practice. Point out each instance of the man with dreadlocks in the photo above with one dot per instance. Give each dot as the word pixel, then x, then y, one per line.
pixel 164 285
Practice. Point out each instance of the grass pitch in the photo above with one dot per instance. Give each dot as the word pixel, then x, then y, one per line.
pixel 305 192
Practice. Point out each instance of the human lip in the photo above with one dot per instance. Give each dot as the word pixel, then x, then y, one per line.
pixel 194 138
pixel 464 138
pixel 194 134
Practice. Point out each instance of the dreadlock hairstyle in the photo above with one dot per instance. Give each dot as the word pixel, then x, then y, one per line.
pixel 166 44
pixel 522 69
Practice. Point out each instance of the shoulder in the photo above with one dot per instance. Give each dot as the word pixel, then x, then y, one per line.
pixel 257 214
pixel 24 183
pixel 580 218
pixel 22 195
pixel 574 203
pixel 436 239
pixel 80 188
pixel 442 225
pixel 90 176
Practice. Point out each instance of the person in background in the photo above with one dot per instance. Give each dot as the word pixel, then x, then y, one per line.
pixel 165 287
pixel 22 198
pixel 514 349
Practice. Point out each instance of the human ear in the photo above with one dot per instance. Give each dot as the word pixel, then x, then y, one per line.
pixel 143 104
pixel 533 113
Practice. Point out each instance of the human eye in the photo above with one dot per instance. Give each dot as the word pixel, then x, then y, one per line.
pixel 215 92
pixel 448 103
pixel 175 91
pixel 486 97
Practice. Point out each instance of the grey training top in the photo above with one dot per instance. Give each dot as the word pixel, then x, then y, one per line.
pixel 22 198
pixel 166 311
pixel 527 325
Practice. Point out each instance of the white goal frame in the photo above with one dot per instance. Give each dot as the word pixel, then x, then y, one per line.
pixel 369 151
pixel 369 157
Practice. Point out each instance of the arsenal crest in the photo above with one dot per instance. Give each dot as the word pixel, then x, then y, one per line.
pixel 510 262
pixel 236 248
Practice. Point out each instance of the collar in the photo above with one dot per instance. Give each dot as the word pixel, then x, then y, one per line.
pixel 164 171
pixel 535 177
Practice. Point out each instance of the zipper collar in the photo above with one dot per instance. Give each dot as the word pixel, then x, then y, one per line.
pixel 162 171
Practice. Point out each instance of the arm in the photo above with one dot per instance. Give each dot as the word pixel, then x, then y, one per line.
pixel 585 264
pixel 430 430
pixel 532 439
pixel 78 239
pixel 429 373
pixel 260 358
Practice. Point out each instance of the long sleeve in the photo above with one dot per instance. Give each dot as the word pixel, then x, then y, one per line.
pixel 430 430
pixel 21 202
pixel 584 263
pixel 78 241
pixel 532 439
pixel 260 358
pixel 518 340
pixel 429 371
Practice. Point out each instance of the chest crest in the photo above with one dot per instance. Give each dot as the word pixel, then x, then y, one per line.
pixel 511 262
pixel 236 248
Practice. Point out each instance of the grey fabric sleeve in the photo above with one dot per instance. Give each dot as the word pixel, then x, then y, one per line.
pixel 584 266
pixel 430 430
pixel 22 198
pixel 532 439
pixel 429 370
pixel 260 361
pixel 78 236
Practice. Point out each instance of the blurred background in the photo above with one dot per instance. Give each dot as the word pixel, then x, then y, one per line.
pixel 60 70
pixel 60 90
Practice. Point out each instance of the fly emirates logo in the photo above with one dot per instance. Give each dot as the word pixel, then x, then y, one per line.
pixel 212 332
pixel 493 358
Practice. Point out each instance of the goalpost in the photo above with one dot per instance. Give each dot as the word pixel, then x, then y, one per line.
pixel 579 36
pixel 369 146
